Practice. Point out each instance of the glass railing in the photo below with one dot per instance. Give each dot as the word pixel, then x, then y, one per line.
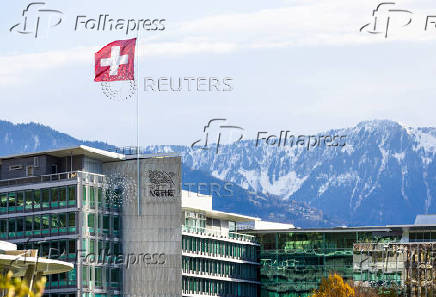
pixel 38 179
pixel 83 176
pixel 217 233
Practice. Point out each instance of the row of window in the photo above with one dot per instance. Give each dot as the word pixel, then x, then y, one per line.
pixel 225 269
pixel 93 250
pixel 62 280
pixel 54 249
pixel 105 224
pixel 99 295
pixel 38 225
pixel 219 248
pixel 96 197
pixel 218 288
pixel 34 200
pixel 60 295
pixel 422 236
pixel 101 277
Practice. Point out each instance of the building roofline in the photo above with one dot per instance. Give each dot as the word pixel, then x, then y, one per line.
pixel 325 230
pixel 67 151
pixel 105 156
pixel 222 215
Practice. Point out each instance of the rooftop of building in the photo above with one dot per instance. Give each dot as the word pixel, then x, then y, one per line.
pixel 428 219
pixel 421 222
pixel 91 152
pixel 196 202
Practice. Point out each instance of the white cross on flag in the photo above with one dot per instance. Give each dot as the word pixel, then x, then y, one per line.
pixel 116 61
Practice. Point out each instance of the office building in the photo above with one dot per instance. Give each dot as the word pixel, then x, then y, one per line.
pixel 80 205
pixel 294 261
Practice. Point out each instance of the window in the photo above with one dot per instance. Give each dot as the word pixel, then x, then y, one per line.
pixel 12 202
pixel 54 198
pixel 71 195
pixel 20 201
pixel 72 222
pixel 232 226
pixel 98 277
pixel 15 167
pixel 85 274
pixel 116 226
pixel 3 203
pixel 92 197
pixel 54 227
pixel 3 229
pixel 36 199
pixel 91 246
pixel 62 249
pixel 35 161
pixel 45 224
pixel 62 279
pixel 91 222
pixel 45 198
pixel 106 224
pixel 11 223
pixel 28 226
pixel 72 248
pixel 29 170
pixel 54 169
pixel 100 197
pixel 36 225
pixel 84 195
pixel 71 277
pixel 62 197
pixel 28 200
pixel 115 277
pixel 63 222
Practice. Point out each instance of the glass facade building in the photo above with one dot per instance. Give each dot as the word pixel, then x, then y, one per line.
pixel 217 261
pixel 293 262
pixel 61 204
pixel 74 223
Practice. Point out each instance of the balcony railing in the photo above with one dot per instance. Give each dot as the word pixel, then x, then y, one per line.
pixel 219 234
pixel 63 176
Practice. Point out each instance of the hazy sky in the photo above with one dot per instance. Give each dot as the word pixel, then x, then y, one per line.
pixel 297 65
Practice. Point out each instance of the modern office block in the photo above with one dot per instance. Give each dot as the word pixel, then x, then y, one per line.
pixel 217 261
pixel 294 261
pixel 81 205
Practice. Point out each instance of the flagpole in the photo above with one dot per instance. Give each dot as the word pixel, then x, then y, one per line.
pixel 137 125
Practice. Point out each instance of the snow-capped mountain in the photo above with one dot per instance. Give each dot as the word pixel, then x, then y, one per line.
pixel 384 174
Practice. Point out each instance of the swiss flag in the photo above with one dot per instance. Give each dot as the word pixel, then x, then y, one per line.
pixel 116 61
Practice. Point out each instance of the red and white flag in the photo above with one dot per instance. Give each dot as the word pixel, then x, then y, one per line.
pixel 116 61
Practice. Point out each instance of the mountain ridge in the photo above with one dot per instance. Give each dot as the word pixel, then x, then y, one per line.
pixel 385 174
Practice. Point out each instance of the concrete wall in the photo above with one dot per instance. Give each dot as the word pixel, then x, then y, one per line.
pixel 155 231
